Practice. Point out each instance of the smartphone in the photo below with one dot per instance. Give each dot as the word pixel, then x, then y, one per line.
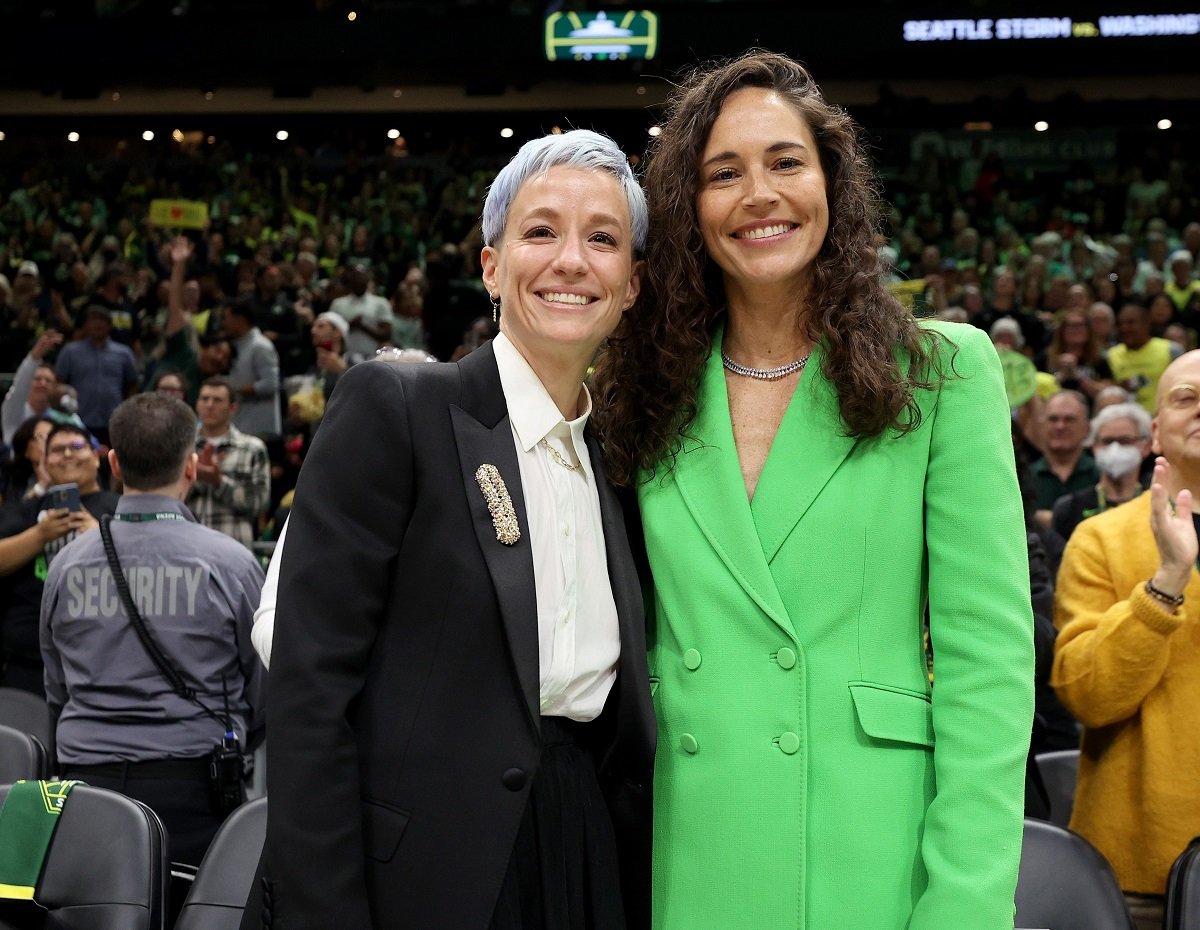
pixel 62 495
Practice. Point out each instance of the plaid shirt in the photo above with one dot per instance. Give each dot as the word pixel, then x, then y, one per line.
pixel 233 506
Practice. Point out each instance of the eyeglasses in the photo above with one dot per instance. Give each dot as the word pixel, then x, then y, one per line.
pixel 1118 440
pixel 76 445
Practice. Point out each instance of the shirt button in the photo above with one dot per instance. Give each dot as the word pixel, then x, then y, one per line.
pixel 566 530
pixel 688 743
pixel 691 659
pixel 786 658
pixel 789 743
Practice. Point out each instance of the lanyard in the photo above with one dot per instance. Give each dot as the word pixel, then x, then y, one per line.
pixel 153 516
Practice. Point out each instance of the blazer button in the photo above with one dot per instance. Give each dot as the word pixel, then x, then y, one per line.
pixel 691 659
pixel 688 743
pixel 786 658
pixel 514 779
pixel 789 743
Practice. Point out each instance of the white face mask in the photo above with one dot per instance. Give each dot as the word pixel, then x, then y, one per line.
pixel 1116 460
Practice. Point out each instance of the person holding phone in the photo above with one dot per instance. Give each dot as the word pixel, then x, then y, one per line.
pixel 32 533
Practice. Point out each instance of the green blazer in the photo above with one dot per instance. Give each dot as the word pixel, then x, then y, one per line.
pixel 808 776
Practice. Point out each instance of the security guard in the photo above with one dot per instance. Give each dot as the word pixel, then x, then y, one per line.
pixel 122 723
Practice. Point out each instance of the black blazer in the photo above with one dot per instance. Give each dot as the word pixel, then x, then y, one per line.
pixel 403 716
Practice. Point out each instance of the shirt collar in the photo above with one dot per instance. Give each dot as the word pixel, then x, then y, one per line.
pixel 533 414
pixel 229 436
pixel 152 503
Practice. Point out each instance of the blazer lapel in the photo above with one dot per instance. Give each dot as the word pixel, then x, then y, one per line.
pixel 626 587
pixel 710 480
pixel 484 436
pixel 810 446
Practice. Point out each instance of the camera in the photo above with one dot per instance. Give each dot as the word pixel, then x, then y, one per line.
pixel 226 766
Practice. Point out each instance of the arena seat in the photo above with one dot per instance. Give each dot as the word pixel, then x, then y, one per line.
pixel 1059 771
pixel 106 868
pixel 1183 890
pixel 28 713
pixel 223 881
pixel 22 756
pixel 1064 883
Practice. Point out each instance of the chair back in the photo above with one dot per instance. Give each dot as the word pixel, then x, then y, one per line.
pixel 22 756
pixel 1064 883
pixel 106 868
pixel 1183 890
pixel 1059 771
pixel 226 875
pixel 28 713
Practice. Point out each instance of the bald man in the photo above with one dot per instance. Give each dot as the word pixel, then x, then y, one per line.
pixel 1127 661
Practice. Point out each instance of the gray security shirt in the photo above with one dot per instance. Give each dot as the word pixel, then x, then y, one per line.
pixel 197 590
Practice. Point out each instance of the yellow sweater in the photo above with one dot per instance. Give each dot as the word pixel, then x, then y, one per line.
pixel 1130 672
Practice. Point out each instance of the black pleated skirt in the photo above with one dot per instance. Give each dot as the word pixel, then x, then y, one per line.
pixel 563 872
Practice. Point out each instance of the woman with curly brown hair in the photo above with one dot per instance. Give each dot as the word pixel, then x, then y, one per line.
pixel 813 468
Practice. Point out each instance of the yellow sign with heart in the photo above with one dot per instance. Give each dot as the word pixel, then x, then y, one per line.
pixel 179 214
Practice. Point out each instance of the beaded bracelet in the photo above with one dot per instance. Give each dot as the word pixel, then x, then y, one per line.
pixel 1171 600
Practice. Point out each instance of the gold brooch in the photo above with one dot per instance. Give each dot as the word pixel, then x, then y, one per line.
pixel 500 505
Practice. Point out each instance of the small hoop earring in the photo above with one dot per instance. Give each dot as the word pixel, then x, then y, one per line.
pixel 495 309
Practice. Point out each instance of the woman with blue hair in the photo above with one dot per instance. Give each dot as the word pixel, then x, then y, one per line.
pixel 461 730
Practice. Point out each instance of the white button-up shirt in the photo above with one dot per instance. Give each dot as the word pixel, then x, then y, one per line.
pixel 578 638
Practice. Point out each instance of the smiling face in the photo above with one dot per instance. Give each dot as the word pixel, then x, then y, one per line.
pixel 563 268
pixel 762 203
pixel 70 458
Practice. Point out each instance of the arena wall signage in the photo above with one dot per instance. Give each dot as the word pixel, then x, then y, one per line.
pixel 579 36
pixel 1024 149
pixel 1123 26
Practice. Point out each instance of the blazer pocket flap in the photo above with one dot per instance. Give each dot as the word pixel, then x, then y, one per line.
pixel 892 714
pixel 382 828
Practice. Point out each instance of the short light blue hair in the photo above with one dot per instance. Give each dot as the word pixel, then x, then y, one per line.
pixel 579 148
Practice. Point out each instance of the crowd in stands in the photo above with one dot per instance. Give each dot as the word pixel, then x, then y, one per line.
pixel 1098 267
pixel 312 262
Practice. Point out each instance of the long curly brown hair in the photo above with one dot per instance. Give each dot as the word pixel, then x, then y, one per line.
pixel 874 353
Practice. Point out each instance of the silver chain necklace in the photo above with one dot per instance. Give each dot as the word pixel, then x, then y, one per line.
pixel 764 374
pixel 554 454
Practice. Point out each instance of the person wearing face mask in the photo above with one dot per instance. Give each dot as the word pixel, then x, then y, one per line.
pixel 1120 441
